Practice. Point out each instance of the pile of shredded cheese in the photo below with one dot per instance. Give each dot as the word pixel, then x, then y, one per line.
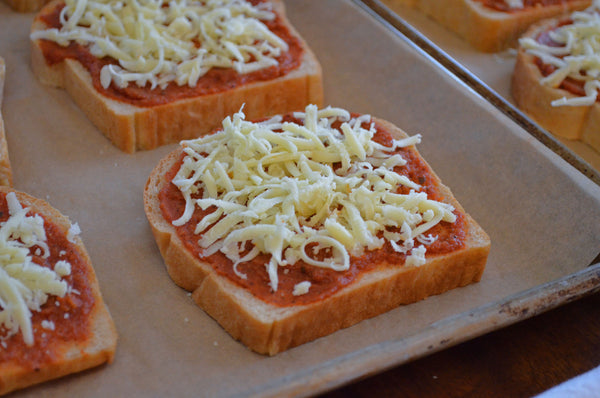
pixel 284 186
pixel 24 285
pixel 159 41
pixel 576 56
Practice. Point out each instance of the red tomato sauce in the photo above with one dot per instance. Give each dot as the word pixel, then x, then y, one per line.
pixel 214 81
pixel 78 305
pixel 324 282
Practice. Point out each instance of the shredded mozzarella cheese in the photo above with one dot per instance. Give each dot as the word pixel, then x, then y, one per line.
pixel 24 285
pixel 303 191
pixel 301 288
pixel 576 55
pixel 159 41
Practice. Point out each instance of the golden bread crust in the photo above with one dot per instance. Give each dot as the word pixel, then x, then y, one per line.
pixel 269 329
pixel 133 128
pixel 70 357
pixel 485 29
pixel 6 178
pixel 535 99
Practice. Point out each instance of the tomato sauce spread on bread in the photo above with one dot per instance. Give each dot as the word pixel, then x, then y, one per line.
pixel 59 320
pixel 506 6
pixel 324 282
pixel 216 80
pixel 571 85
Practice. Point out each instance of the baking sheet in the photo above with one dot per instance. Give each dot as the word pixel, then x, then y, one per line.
pixel 486 71
pixel 541 214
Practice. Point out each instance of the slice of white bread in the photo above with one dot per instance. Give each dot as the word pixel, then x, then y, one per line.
pixel 133 128
pixel 65 356
pixel 5 169
pixel 484 28
pixel 267 328
pixel 534 98
pixel 26 5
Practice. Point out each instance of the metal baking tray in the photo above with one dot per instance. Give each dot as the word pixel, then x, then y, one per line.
pixel 487 73
pixel 540 211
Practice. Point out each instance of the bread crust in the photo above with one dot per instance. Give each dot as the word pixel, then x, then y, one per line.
pixel 485 29
pixel 534 98
pixel 70 356
pixel 132 128
pixel 269 329
pixel 6 177
pixel 26 5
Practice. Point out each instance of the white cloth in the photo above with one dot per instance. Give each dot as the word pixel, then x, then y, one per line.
pixel 586 385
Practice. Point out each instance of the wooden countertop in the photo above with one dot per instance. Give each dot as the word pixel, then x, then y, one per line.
pixel 518 361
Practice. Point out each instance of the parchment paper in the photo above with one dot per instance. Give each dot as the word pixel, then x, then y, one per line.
pixel 541 214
